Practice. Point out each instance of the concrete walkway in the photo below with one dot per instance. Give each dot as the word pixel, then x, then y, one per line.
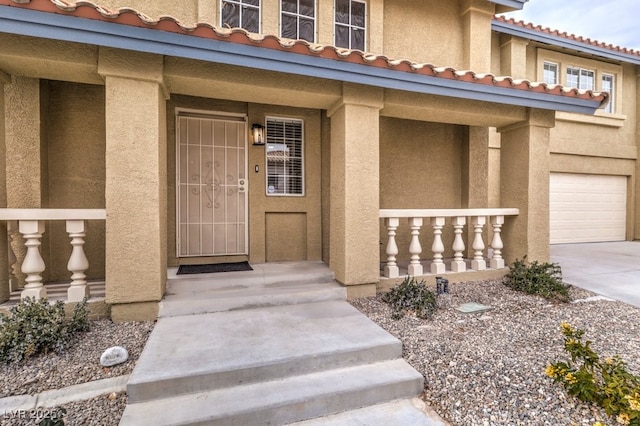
pixel 609 269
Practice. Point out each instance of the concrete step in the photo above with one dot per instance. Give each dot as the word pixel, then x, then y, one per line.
pixel 406 412
pixel 284 401
pixel 183 300
pixel 195 353
pixel 263 274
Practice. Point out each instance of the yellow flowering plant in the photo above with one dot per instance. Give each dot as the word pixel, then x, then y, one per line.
pixel 606 383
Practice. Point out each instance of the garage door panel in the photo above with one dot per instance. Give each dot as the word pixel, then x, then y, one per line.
pixel 587 208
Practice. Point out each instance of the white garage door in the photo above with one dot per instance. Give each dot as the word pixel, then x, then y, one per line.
pixel 587 208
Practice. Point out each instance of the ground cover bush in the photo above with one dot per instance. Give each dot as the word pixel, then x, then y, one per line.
pixel 411 296
pixel 37 326
pixel 543 279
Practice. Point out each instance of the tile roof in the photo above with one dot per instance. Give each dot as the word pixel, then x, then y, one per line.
pixel 565 35
pixel 134 18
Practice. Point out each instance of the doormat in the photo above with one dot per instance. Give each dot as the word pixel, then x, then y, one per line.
pixel 214 267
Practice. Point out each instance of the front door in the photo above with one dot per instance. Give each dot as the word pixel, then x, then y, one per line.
pixel 211 185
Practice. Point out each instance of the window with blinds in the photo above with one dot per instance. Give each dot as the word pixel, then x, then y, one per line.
pixel 285 156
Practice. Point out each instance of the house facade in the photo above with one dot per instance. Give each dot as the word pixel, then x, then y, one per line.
pixel 203 131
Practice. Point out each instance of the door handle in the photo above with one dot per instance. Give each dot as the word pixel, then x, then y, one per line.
pixel 242 187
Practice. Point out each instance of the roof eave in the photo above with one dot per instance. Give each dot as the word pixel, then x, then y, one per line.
pixel 533 34
pixel 512 4
pixel 68 28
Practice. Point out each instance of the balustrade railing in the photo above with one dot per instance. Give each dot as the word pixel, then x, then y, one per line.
pixel 31 224
pixel 438 219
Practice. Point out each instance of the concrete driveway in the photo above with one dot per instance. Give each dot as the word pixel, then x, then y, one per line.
pixel 609 269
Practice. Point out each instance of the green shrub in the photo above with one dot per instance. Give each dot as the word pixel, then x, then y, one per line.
pixel 411 296
pixel 605 383
pixel 36 326
pixel 543 279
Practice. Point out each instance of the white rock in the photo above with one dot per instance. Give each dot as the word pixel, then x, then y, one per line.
pixel 113 356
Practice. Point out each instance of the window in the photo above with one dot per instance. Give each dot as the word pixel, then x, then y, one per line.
pixel 607 86
pixel 350 18
pixel 285 152
pixel 241 14
pixel 297 19
pixel 580 78
pixel 550 73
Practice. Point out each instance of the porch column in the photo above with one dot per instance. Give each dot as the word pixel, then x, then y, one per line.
pixel 136 183
pixel 524 177
pixel 25 149
pixel 355 190
pixel 4 252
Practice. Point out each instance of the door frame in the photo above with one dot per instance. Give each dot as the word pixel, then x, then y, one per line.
pixel 209 114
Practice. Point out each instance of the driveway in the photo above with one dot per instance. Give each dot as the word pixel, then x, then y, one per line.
pixel 609 269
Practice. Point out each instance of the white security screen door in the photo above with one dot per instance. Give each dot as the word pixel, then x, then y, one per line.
pixel 211 185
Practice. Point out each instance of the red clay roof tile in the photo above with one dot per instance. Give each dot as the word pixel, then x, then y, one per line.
pixel 131 17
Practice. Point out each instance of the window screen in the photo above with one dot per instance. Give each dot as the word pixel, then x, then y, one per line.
pixel 297 19
pixel 550 73
pixel 607 86
pixel 285 156
pixel 350 24
pixel 241 14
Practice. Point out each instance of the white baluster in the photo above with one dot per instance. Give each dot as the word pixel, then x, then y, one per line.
pixel 458 264
pixel 12 230
pixel 437 265
pixel 391 269
pixel 415 267
pixel 33 264
pixel 478 263
pixel 496 243
pixel 78 262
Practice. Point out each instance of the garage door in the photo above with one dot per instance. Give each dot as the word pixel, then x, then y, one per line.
pixel 587 208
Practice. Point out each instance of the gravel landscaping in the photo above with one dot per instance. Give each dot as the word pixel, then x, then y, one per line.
pixel 80 363
pixel 489 368
pixel 480 368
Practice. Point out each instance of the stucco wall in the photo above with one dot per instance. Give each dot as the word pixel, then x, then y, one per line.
pixel 420 168
pixel 76 169
pixel 439 39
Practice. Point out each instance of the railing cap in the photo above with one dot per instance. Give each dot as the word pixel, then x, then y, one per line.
pixel 53 214
pixel 447 212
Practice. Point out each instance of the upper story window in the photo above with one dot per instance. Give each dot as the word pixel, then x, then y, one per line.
pixel 350 24
pixel 607 86
pixel 298 19
pixel 241 14
pixel 580 78
pixel 285 156
pixel 550 73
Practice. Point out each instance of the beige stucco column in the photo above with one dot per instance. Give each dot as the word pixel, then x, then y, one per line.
pixel 524 184
pixel 4 255
pixel 136 183
pixel 476 168
pixel 636 218
pixel 513 57
pixel 476 18
pixel 355 189
pixel 26 168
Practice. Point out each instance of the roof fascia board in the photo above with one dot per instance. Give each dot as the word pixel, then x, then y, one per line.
pixel 536 35
pixel 81 30
pixel 516 4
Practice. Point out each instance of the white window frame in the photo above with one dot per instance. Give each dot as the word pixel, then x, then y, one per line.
pixel 610 108
pixel 298 16
pixel 241 4
pixel 302 157
pixel 555 71
pixel 350 26
pixel 582 74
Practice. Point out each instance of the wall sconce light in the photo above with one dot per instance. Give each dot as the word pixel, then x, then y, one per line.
pixel 257 130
